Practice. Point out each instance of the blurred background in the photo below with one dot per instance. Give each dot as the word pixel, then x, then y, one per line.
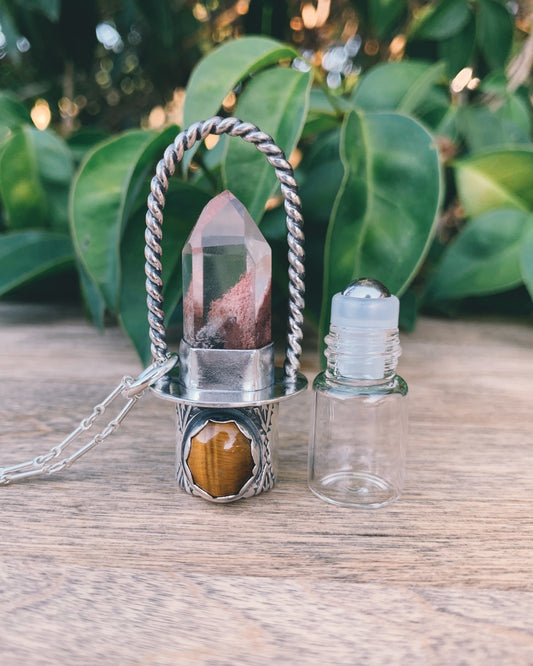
pixel 75 76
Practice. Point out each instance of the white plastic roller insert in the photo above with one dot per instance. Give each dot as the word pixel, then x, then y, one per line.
pixel 364 317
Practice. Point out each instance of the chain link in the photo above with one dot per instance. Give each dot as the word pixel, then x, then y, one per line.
pixel 129 388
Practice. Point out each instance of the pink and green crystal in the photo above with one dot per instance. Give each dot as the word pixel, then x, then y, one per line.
pixel 227 271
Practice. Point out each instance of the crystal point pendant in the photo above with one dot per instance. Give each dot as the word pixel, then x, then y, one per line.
pixel 226 386
pixel 228 431
pixel 226 279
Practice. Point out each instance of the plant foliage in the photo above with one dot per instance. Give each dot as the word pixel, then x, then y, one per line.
pixel 410 132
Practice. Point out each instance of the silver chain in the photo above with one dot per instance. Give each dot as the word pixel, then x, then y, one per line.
pixel 129 388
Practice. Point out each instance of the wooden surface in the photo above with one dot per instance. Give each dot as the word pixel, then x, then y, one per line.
pixel 109 563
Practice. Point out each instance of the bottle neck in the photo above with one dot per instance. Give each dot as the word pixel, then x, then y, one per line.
pixel 362 354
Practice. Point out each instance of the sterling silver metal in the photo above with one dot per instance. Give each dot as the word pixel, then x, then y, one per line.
pixel 259 424
pixel 366 288
pixel 170 388
pixel 154 233
pixel 227 370
pixel 243 383
pixel 129 388
pixel 261 386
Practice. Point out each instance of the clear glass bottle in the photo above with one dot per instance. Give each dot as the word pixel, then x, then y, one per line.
pixel 359 433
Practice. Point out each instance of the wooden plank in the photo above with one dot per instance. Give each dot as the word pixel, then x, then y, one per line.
pixel 109 563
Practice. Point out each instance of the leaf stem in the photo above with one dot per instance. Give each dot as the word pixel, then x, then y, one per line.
pixel 331 98
pixel 318 75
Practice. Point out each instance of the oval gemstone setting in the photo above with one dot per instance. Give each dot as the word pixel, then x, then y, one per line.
pixel 220 458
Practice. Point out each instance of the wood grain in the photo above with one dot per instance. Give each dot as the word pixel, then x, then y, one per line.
pixel 109 563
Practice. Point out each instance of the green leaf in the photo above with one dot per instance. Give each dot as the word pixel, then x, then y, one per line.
pixel 385 212
pixel 209 176
pixel 385 13
pixel 497 179
pixel 184 203
pixel 441 20
pixel 482 129
pixel 84 140
pixel 317 122
pixel 319 190
pixel 526 260
pixel 408 310
pixel 93 299
pixel 276 101
pixel 102 196
pixel 35 174
pixel 212 159
pixel 321 115
pixel 325 148
pixel 10 31
pixel 458 49
pixel 320 179
pixel 320 102
pixel 484 258
pixel 12 114
pixel 447 126
pixel 415 97
pixel 221 70
pixel 50 8
pixel 495 27
pixel 397 86
pixel 515 113
pixel 274 225
pixel 495 83
pixel 27 255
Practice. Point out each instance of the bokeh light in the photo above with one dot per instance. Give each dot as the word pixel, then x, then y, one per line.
pixel 41 114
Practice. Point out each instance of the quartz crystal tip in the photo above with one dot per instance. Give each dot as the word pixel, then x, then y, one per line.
pixel 226 279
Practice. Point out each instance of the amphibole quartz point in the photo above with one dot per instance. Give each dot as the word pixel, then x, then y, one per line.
pixel 227 269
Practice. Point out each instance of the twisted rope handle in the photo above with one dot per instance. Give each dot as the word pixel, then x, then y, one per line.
pixel 295 238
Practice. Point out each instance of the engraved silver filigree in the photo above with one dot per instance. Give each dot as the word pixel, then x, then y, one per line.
pixel 259 424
